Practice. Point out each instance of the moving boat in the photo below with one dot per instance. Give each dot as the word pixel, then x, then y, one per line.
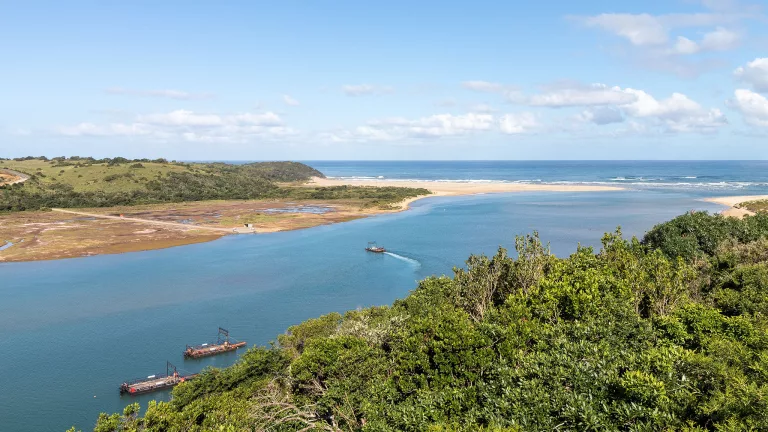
pixel 372 247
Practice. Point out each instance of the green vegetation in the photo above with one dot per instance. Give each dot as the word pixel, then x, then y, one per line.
pixel 670 333
pixel 758 206
pixel 86 182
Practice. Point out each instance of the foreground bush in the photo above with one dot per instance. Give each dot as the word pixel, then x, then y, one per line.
pixel 630 337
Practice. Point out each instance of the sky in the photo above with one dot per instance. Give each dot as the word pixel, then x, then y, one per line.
pixel 395 80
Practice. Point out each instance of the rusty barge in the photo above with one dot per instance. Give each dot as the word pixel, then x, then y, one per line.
pixel 155 382
pixel 222 345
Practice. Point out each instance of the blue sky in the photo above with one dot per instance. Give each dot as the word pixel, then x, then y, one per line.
pixel 676 79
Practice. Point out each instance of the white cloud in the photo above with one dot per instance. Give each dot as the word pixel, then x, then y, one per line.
pixel 186 118
pixel 646 105
pixel 753 106
pixel 580 95
pixel 720 39
pixel 112 129
pixel 435 127
pixel 518 123
pixel 182 118
pixel 264 119
pixel 678 113
pixel 290 101
pixel 188 126
pixel 606 105
pixel 484 86
pixel 644 30
pixel 601 115
pixel 755 73
pixel 640 29
pixel 447 103
pixel 366 90
pixel 482 108
pixel 686 46
pixel 360 134
pixel 170 94
pixel 673 42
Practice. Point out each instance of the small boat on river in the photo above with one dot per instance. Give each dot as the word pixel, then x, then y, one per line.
pixel 372 247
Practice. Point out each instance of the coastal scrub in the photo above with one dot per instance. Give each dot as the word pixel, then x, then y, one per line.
pixel 667 333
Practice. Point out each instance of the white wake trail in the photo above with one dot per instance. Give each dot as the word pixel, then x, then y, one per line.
pixel 402 258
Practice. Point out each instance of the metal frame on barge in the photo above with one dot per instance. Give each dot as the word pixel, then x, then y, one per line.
pixel 155 382
pixel 222 345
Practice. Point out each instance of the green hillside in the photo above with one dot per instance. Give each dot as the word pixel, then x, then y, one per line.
pixel 87 182
pixel 670 333
pixel 122 175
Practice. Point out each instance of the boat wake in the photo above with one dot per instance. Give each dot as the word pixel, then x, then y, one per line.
pixel 402 258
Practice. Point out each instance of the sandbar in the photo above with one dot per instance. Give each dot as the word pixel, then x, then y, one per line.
pixel 446 188
pixel 733 201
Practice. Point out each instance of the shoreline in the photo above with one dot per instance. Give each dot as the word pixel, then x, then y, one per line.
pixel 85 232
pixel 732 201
pixel 441 188
pixel 457 188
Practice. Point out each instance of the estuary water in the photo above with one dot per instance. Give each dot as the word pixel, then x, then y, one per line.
pixel 72 330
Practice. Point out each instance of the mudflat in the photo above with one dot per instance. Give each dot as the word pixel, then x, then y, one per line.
pixel 70 233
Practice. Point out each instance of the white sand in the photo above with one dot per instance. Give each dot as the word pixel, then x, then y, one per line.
pixel 443 188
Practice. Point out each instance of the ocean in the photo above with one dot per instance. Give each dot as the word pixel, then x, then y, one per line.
pixel 705 178
pixel 72 330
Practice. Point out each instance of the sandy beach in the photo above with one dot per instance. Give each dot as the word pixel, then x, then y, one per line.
pixel 443 188
pixel 732 201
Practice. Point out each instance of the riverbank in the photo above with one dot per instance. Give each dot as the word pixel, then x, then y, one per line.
pixel 733 202
pixel 72 233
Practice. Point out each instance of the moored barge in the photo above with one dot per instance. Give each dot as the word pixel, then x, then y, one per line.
pixel 155 382
pixel 222 345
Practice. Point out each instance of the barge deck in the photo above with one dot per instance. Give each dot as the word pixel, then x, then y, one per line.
pixel 222 345
pixel 155 382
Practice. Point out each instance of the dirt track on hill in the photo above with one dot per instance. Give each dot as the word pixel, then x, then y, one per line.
pixel 19 177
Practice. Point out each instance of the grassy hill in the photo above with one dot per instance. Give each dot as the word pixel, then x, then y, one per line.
pixel 123 175
pixel 87 182
pixel 670 333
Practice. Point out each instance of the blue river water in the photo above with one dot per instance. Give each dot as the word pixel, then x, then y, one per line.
pixel 72 330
